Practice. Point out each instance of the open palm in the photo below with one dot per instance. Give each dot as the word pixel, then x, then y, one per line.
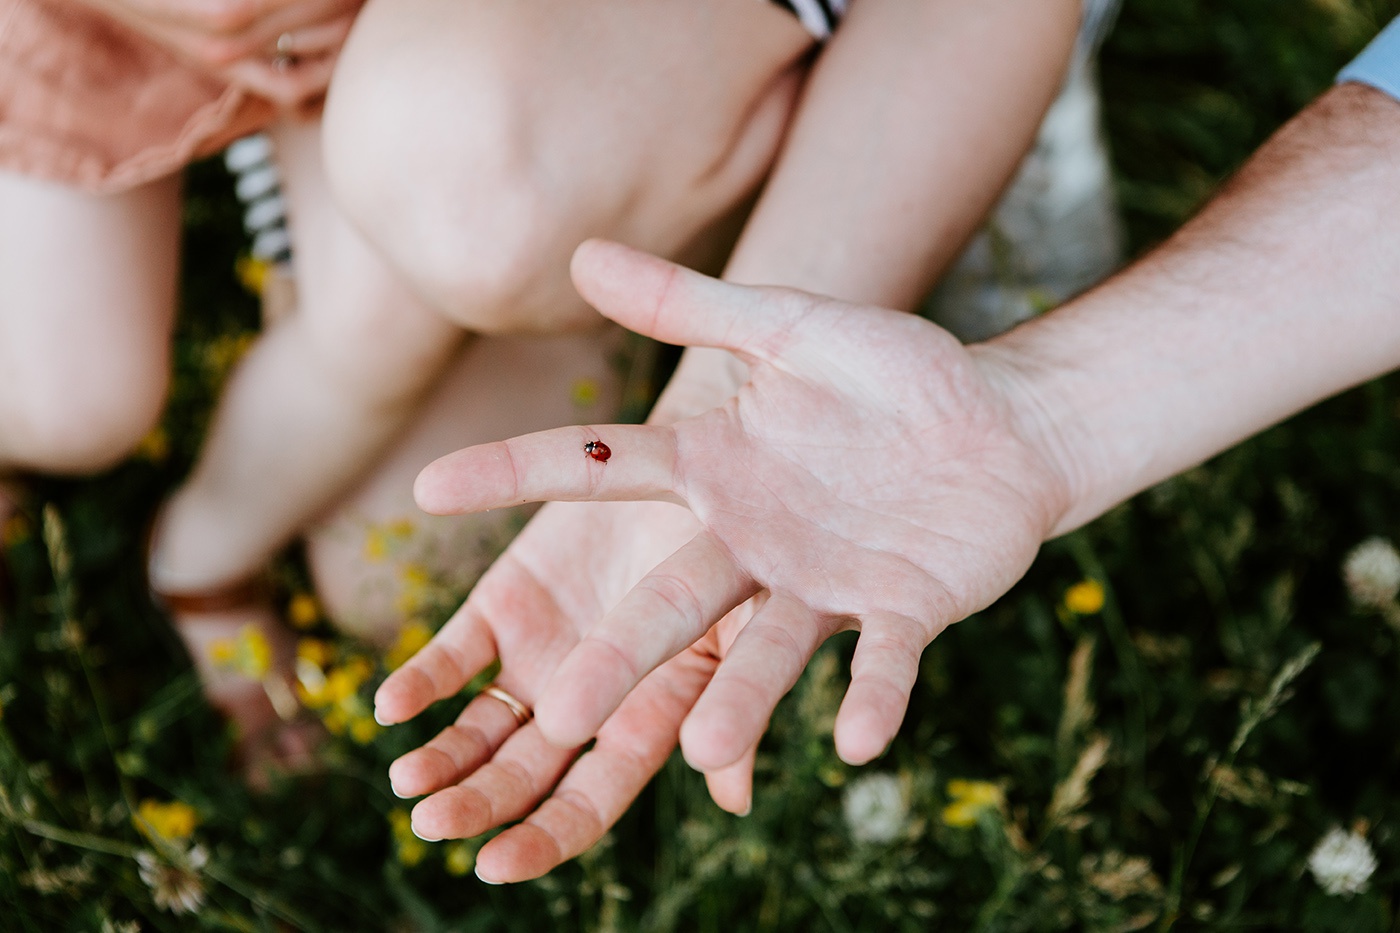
pixel 559 577
pixel 872 473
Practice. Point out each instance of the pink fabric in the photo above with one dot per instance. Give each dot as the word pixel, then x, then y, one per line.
pixel 85 102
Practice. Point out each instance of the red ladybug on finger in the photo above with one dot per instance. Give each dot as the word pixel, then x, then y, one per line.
pixel 598 451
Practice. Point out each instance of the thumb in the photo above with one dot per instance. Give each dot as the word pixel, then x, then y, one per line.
pixel 676 305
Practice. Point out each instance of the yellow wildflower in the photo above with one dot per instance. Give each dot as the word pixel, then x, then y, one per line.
pixel 174 821
pixel 416 582
pixel 223 353
pixel 363 729
pixel 303 611
pixel 970 799
pixel 460 859
pixel 344 681
pixel 252 274
pixel 410 641
pixel 155 446
pixel 1085 598
pixel 311 685
pixel 248 653
pixel 316 650
pixel 376 545
pixel 15 530
pixel 584 392
pixel 409 848
pixel 335 720
pixel 381 539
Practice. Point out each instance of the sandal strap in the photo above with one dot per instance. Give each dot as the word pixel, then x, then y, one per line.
pixel 12 490
pixel 239 594
pixel 227 597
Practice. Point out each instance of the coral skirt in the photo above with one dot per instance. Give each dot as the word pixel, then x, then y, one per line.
pixel 86 102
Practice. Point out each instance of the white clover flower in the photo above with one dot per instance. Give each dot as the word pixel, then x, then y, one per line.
pixel 1372 573
pixel 1342 862
pixel 875 808
pixel 176 888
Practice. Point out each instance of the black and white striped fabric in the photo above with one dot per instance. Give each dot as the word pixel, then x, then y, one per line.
pixel 259 186
pixel 820 17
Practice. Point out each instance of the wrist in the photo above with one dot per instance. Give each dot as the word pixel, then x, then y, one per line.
pixel 1039 414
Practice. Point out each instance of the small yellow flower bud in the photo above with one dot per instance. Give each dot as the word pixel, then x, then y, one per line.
pixel 303 611
pixel 584 392
pixel 173 822
pixel 410 641
pixel 970 799
pixel 1085 598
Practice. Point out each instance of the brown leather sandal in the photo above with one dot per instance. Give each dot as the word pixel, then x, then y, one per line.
pixel 283 742
pixel 12 496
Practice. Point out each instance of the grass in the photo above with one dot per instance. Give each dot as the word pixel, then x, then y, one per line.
pixel 1167 758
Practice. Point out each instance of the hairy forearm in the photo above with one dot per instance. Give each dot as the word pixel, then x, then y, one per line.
pixel 911 124
pixel 1285 290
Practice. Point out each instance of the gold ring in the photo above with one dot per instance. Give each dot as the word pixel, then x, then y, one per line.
pixel 284 59
pixel 519 710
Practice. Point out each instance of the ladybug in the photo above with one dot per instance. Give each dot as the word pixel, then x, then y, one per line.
pixel 598 451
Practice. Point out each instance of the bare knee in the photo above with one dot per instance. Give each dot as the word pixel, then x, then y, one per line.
pixel 79 416
pixel 447 189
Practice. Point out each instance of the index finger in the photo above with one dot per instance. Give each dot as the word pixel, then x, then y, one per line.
pixel 611 462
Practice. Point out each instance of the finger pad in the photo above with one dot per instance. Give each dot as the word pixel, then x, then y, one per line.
pixel 455 813
pixel 518 854
pixel 421 771
pixel 710 742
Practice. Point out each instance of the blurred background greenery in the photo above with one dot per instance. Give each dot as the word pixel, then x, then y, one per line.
pixel 1155 728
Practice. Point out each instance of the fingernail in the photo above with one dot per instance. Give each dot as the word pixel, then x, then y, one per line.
pixel 748 808
pixel 421 836
pixel 485 880
pixel 380 719
pixel 396 792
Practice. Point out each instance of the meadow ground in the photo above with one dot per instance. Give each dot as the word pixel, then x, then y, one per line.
pixel 1157 727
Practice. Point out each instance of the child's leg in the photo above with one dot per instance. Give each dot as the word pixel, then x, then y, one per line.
pixel 477 144
pixel 378 561
pixel 315 400
pixel 598 151
pixel 652 161
pixel 87 298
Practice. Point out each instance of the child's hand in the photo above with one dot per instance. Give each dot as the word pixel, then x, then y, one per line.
pixel 283 50
pixel 871 474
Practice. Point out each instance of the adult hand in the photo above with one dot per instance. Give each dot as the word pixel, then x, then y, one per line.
pixel 560 575
pixel 872 474
pixel 283 50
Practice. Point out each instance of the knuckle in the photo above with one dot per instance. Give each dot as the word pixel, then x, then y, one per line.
pixel 779 639
pixel 676 595
pixel 220 52
pixel 228 16
pixel 583 807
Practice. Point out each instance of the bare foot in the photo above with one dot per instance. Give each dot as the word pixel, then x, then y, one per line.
pixel 246 658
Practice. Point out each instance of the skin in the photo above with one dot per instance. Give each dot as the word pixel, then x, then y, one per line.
pixel 1282 292
pixel 881 197
pixel 321 398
